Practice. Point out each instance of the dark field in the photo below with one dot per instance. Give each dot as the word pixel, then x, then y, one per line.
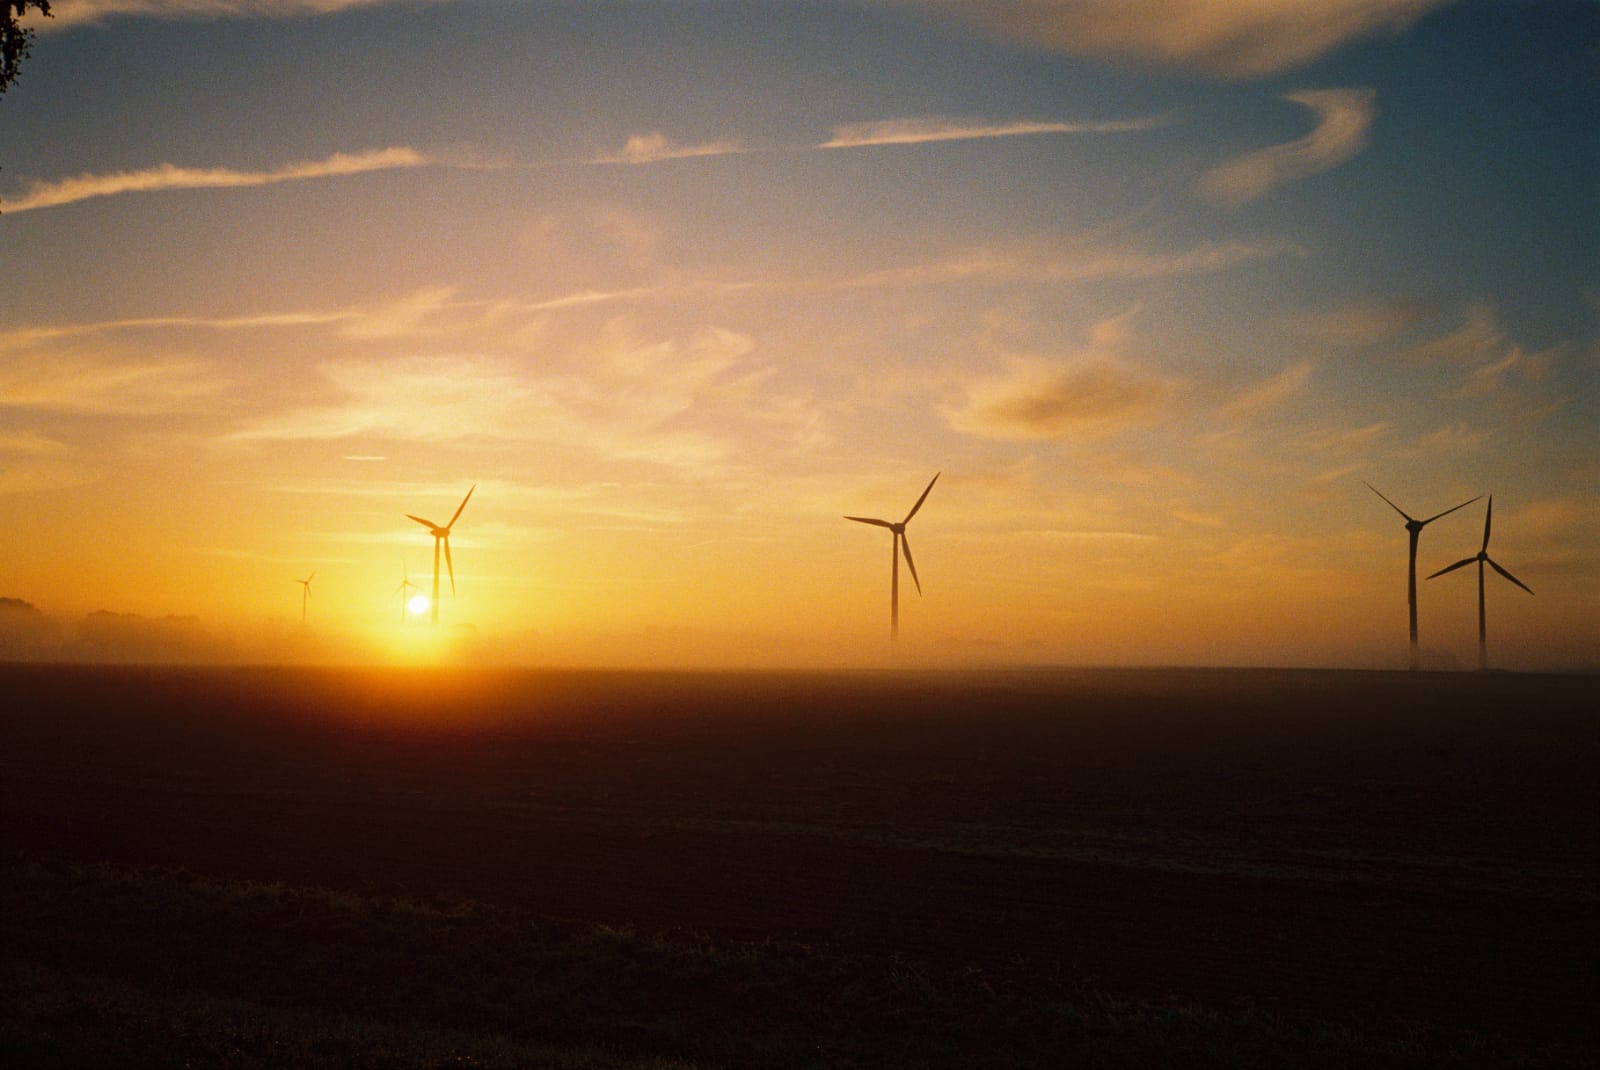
pixel 269 867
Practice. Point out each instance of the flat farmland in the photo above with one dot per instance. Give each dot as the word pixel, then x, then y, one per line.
pixel 1409 862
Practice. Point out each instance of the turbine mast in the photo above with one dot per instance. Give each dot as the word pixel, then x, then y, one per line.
pixel 436 541
pixel 894 586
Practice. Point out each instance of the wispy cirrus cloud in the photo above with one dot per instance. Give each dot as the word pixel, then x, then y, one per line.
pixel 102 386
pixel 172 177
pixel 1231 39
pixel 69 13
pixel 620 399
pixel 1343 118
pixel 1268 393
pixel 923 130
pixel 1038 263
pixel 655 147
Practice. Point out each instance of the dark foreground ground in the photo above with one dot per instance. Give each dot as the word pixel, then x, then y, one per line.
pixel 274 867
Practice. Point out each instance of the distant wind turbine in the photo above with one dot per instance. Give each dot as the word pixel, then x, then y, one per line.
pixel 404 590
pixel 898 540
pixel 1482 557
pixel 441 536
pixel 305 594
pixel 1414 529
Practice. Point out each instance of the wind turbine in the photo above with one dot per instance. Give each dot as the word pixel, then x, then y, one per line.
pixel 305 594
pixel 441 535
pixel 403 590
pixel 1482 557
pixel 898 540
pixel 1414 528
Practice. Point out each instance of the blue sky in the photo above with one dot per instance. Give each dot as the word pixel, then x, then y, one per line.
pixel 1157 285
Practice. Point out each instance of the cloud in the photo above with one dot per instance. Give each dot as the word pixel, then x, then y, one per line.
pixel 1268 393
pixel 170 176
pixel 1231 39
pixel 1458 439
pixel 1039 263
pixel 69 13
pixel 922 131
pixel 1361 324
pixel 102 386
pixel 30 444
pixel 1343 118
pixel 654 147
pixel 618 398
pixel 1043 399
pixel 1516 367
pixel 1344 441
pixel 1479 339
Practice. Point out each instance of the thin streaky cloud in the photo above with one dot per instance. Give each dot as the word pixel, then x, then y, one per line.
pixel 924 130
pixel 1026 263
pixel 1268 393
pixel 1230 39
pixel 171 176
pixel 95 385
pixel 69 13
pixel 655 147
pixel 1343 118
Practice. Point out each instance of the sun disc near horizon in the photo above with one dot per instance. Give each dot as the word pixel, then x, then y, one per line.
pixel 417 604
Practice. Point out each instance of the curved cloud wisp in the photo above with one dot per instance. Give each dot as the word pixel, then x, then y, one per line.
pixel 1343 119
pixel 1232 39
pixel 170 176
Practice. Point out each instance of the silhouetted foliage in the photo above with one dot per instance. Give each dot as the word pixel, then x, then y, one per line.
pixel 16 39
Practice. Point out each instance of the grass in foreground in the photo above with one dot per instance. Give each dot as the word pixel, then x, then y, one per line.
pixel 118 968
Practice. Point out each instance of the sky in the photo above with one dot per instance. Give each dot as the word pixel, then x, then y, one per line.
pixel 1156 287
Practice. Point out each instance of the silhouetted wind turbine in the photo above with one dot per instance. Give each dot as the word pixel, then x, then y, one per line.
pixel 898 540
pixel 1482 557
pixel 405 586
pixel 441 535
pixel 305 594
pixel 1414 528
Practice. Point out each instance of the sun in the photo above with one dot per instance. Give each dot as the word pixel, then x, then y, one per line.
pixel 417 605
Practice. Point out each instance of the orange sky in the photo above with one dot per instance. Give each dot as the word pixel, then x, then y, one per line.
pixel 678 287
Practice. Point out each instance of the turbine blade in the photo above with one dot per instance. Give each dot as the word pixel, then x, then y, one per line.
pixel 870 520
pixel 430 525
pixel 1464 561
pixel 912 565
pixel 1380 494
pixel 922 499
pixel 1488 516
pixel 450 566
pixel 1508 575
pixel 1452 509
pixel 460 507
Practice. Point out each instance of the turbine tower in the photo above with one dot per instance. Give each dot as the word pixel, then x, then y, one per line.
pixel 1414 529
pixel 406 586
pixel 441 536
pixel 898 540
pixel 305 594
pixel 1482 557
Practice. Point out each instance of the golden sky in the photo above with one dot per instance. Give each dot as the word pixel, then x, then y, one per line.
pixel 1156 286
